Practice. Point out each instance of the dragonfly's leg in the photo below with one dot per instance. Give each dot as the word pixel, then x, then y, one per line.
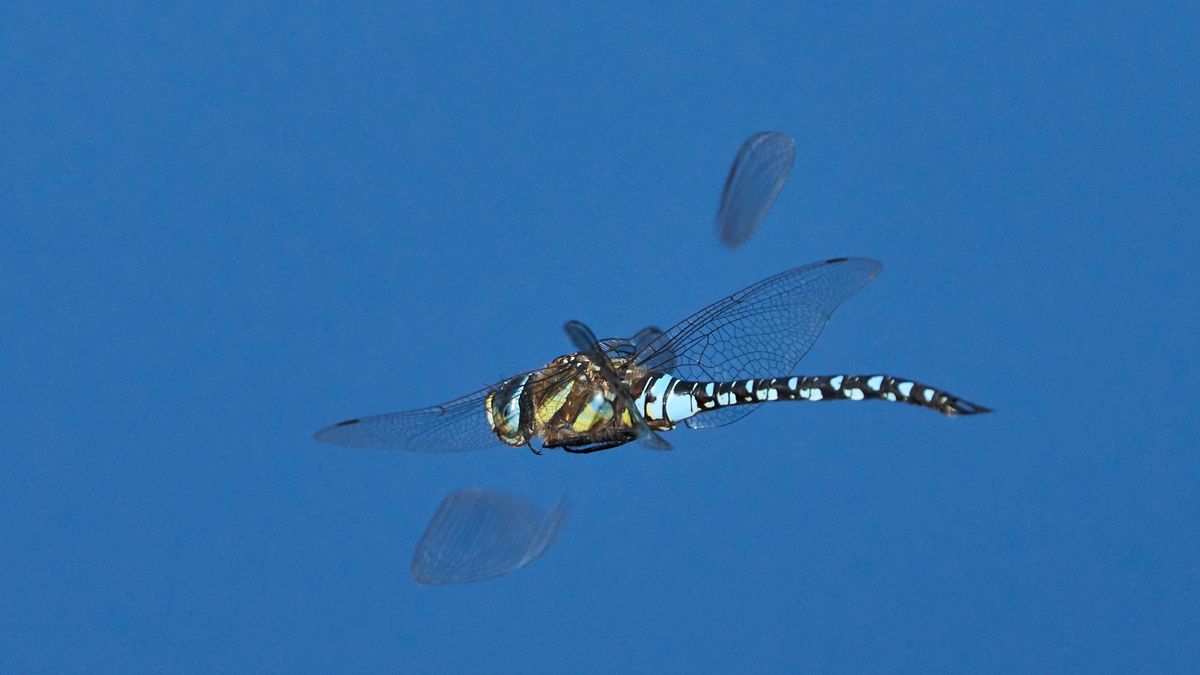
pixel 533 449
pixel 582 450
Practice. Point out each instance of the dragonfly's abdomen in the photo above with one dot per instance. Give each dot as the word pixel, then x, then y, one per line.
pixel 665 401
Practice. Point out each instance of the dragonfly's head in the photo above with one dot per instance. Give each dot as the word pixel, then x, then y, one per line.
pixel 504 410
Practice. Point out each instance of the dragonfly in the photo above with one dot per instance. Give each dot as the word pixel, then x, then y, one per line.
pixel 709 370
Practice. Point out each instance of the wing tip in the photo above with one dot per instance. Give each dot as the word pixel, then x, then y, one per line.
pixel 327 435
pixel 732 239
pixel 873 266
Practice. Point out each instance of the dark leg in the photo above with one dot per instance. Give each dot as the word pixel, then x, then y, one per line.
pixel 595 447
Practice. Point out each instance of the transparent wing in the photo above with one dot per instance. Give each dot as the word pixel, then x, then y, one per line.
pixel 760 331
pixel 755 180
pixel 480 534
pixel 456 426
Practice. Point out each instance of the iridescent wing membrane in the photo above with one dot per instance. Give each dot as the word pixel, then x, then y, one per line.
pixel 761 331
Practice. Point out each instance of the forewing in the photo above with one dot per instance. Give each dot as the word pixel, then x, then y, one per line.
pixel 480 534
pixel 761 331
pixel 457 426
pixel 754 182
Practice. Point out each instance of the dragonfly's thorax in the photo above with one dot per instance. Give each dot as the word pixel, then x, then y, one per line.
pixel 570 402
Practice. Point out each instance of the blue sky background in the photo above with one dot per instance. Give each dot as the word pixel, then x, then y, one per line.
pixel 225 227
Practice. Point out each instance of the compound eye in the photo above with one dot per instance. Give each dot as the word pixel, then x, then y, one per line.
pixel 504 409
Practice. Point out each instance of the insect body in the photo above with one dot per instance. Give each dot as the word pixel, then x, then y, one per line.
pixel 568 403
pixel 708 370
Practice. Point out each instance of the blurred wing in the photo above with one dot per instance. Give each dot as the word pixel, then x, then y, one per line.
pixel 755 180
pixel 665 358
pixel 480 534
pixel 645 336
pixel 761 331
pixel 582 337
